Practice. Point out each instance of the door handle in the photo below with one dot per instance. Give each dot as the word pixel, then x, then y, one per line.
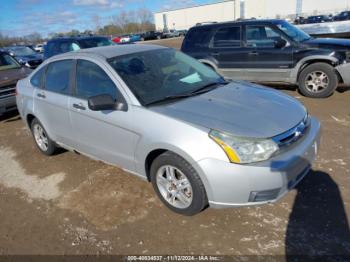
pixel 254 53
pixel 215 54
pixel 41 95
pixel 79 106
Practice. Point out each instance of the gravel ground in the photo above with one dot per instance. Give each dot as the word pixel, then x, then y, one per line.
pixel 69 204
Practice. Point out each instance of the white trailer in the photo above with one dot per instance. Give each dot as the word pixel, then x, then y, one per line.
pixel 184 18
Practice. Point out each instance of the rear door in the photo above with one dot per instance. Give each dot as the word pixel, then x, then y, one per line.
pixel 227 50
pixel 106 135
pixel 51 101
pixel 267 61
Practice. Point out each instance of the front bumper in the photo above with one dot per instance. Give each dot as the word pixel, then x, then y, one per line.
pixel 344 72
pixel 7 104
pixel 230 185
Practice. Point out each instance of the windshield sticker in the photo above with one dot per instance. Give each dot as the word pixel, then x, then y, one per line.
pixel 191 79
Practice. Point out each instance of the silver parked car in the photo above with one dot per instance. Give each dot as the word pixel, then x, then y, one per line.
pixel 163 116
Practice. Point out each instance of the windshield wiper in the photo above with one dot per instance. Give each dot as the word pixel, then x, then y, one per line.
pixel 208 87
pixel 169 98
pixel 198 91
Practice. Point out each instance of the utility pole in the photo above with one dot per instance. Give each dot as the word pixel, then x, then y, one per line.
pixel 299 9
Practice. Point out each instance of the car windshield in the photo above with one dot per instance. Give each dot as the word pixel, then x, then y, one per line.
pixel 156 75
pixel 7 62
pixel 292 31
pixel 22 51
pixel 94 42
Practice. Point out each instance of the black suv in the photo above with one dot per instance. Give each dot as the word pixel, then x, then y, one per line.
pixel 66 44
pixel 271 51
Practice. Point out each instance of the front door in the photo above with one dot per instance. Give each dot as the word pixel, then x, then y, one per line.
pixel 106 135
pixel 268 61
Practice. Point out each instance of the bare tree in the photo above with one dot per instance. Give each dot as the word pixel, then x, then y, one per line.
pixel 97 22
pixel 145 18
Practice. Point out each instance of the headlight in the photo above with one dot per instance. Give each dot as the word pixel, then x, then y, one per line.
pixel 243 150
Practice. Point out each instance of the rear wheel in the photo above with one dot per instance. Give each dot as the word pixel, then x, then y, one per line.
pixel 42 140
pixel 318 80
pixel 178 185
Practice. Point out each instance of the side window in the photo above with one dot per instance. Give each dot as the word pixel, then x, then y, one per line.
pixel 228 37
pixel 261 36
pixel 92 80
pixel 198 37
pixel 7 62
pixel 58 76
pixel 37 78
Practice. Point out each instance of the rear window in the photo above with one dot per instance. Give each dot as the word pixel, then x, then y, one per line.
pixel 59 47
pixel 94 42
pixel 197 38
pixel 228 37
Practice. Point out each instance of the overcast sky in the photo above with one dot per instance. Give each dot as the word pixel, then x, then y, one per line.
pixel 22 17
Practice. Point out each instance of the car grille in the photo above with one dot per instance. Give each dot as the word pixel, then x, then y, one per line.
pixel 293 135
pixel 7 91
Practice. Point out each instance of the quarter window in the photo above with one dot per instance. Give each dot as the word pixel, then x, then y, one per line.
pixel 36 80
pixel 92 80
pixel 228 37
pixel 58 76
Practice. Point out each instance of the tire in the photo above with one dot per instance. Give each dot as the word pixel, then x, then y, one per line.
pixel 46 146
pixel 318 80
pixel 194 193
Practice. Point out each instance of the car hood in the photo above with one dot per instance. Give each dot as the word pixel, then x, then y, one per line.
pixel 329 42
pixel 239 108
pixel 29 57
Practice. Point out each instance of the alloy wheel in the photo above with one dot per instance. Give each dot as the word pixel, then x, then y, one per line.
pixel 174 186
pixel 316 81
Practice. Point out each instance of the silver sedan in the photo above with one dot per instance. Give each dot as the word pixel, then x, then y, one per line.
pixel 163 116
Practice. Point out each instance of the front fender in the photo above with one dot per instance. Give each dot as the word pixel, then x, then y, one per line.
pixel 317 58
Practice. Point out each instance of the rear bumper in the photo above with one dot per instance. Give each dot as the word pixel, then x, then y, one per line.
pixel 7 104
pixel 232 185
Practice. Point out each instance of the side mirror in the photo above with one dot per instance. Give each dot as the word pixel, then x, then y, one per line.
pixel 280 43
pixel 102 102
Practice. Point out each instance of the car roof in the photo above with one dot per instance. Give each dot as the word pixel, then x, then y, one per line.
pixel 113 50
pixel 65 38
pixel 242 22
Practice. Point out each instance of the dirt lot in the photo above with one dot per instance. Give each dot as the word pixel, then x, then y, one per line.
pixel 69 204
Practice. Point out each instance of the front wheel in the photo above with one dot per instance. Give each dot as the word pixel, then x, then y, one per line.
pixel 318 80
pixel 178 185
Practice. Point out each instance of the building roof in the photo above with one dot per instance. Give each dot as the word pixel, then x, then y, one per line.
pixel 193 6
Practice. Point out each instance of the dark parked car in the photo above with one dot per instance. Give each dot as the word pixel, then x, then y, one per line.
pixel 300 20
pixel 151 35
pixel 345 15
pixel 10 72
pixel 25 55
pixel 319 19
pixel 271 51
pixel 66 44
pixel 182 32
